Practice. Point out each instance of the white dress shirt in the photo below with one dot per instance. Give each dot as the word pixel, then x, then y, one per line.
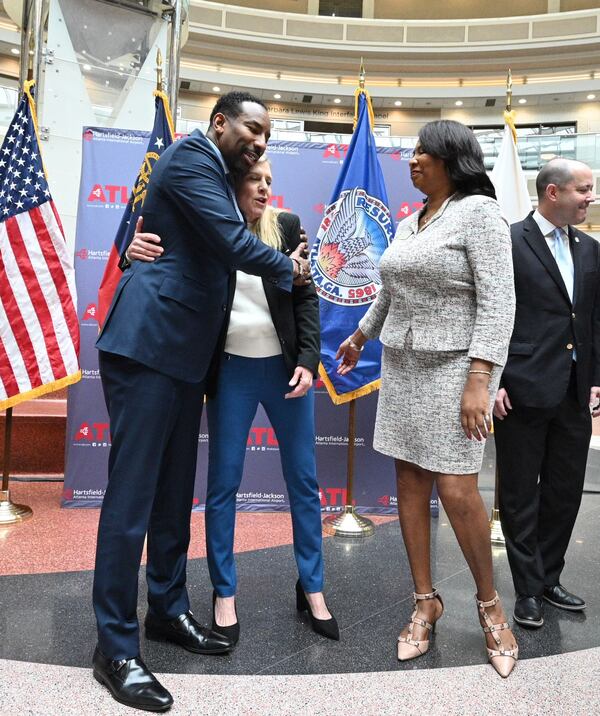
pixel 251 332
pixel 547 228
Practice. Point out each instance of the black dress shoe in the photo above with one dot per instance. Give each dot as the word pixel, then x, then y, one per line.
pixel 185 631
pixel 324 627
pixel 559 597
pixel 232 632
pixel 131 683
pixel 528 612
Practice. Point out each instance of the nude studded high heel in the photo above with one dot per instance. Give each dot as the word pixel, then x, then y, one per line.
pixel 503 660
pixel 409 648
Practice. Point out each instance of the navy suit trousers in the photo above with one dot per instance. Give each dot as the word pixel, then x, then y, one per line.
pixel 154 423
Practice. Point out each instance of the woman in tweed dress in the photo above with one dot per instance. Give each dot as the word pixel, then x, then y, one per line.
pixel 445 316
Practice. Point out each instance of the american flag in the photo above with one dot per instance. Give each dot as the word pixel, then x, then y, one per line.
pixel 39 332
pixel 161 137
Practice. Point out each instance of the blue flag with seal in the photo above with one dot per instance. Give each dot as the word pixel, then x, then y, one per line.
pixel 356 228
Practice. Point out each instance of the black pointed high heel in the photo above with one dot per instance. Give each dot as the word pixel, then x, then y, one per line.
pixel 232 632
pixel 325 627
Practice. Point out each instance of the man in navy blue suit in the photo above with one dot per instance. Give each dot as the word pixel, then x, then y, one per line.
pixel 155 348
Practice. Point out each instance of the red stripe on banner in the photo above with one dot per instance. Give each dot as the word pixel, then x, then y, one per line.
pixel 6 373
pixel 37 298
pixel 19 329
pixel 57 273
pixel 108 286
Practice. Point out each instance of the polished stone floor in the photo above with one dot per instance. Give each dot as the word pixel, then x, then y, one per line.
pixel 280 666
pixel 47 618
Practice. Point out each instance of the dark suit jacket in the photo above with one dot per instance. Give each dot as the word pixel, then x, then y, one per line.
pixel 168 314
pixel 539 363
pixel 295 316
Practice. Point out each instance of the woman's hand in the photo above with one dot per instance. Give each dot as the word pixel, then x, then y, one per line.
pixel 144 246
pixel 474 409
pixel 302 380
pixel 349 351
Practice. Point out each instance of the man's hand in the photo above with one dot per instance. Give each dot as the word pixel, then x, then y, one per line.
pixel 502 404
pixel 301 265
pixel 595 401
pixel 302 380
pixel 144 247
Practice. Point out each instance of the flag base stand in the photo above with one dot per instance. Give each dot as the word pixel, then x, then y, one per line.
pixel 11 513
pixel 348 523
pixel 496 533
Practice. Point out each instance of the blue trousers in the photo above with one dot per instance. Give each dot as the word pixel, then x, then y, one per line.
pixel 243 384
pixel 154 423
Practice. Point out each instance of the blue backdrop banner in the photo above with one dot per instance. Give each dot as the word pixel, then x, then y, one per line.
pixel 304 175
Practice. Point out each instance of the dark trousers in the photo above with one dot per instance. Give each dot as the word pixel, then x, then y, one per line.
pixel 244 383
pixel 154 423
pixel 541 457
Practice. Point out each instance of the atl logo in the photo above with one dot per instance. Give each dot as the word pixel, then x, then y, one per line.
pixel 90 313
pixel 407 209
pixel 278 202
pixel 262 436
pixel 92 433
pixel 333 496
pixel 110 193
pixel 335 151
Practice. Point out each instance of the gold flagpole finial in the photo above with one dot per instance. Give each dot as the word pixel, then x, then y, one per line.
pixel 159 78
pixel 509 91
pixel 361 74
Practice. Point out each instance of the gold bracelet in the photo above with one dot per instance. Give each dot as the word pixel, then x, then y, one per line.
pixel 482 372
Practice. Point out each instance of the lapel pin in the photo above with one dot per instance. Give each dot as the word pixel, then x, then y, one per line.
pixel 576 240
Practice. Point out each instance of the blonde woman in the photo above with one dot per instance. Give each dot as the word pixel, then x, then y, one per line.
pixel 268 354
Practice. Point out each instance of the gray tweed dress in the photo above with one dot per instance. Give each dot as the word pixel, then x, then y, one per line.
pixel 447 297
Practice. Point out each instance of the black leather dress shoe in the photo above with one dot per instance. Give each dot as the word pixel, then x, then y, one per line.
pixel 185 631
pixel 131 683
pixel 559 597
pixel 528 612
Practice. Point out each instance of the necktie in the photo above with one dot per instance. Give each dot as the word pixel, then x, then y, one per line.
pixel 564 260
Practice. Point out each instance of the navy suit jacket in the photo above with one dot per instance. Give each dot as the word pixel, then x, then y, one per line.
pixel 537 371
pixel 168 314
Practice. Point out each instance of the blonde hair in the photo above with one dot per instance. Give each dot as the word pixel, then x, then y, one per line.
pixel 267 227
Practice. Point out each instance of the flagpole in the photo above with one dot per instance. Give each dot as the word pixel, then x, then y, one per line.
pixel 11 513
pixel 348 523
pixel 159 75
pixel 174 54
pixel 496 533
